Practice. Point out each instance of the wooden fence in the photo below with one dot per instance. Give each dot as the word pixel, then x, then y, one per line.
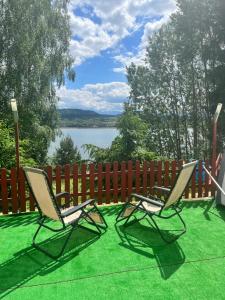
pixel 107 183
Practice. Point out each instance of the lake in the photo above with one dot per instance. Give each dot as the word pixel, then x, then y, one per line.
pixel 101 137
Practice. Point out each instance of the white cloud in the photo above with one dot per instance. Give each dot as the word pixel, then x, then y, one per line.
pixel 151 27
pixel 102 26
pixel 138 59
pixel 118 19
pixel 90 38
pixel 127 59
pixel 101 97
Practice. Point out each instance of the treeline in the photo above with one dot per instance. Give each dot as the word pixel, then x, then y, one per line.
pixel 177 90
pixel 34 61
pixel 174 94
pixel 85 118
pixel 89 123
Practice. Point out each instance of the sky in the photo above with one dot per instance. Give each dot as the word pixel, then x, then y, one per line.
pixel 107 35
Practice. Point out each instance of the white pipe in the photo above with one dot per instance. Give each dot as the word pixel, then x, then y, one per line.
pixel 213 179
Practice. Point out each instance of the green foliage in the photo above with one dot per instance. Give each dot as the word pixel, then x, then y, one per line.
pixel 132 131
pixel 129 145
pixel 34 60
pixel 182 80
pixel 67 153
pixel 7 149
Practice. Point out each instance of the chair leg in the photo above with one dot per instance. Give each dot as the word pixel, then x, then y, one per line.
pixel 93 223
pixel 160 232
pixel 46 252
pixel 123 209
pixel 120 212
pixel 119 218
pixel 128 218
pixel 101 215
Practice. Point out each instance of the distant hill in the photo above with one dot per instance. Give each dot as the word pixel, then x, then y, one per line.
pixel 71 117
pixel 71 113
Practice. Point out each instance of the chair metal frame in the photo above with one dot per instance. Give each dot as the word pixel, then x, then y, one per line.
pixel 156 202
pixel 85 214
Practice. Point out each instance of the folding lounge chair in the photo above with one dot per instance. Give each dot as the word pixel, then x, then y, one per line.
pixel 68 216
pixel 152 206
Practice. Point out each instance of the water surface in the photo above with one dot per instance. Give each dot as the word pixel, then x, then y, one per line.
pixel 101 137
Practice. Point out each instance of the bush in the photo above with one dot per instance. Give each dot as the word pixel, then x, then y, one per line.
pixel 67 153
pixel 7 149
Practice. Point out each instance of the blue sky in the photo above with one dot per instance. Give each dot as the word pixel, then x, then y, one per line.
pixel 106 37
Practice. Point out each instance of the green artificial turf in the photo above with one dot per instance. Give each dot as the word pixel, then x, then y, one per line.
pixel 127 263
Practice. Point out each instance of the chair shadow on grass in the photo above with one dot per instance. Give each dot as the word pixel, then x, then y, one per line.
pixel 16 220
pixel 218 211
pixel 28 263
pixel 145 240
pixel 209 207
pixel 111 210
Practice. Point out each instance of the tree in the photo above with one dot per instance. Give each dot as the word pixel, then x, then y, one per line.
pixel 67 153
pixel 129 145
pixel 182 80
pixel 34 60
pixel 7 149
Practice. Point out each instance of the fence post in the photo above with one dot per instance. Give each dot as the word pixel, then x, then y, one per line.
pixel 152 176
pixel 123 181
pixel 137 175
pixel 75 184
pixel 22 191
pixel 99 184
pixel 166 174
pixel 115 181
pixel 58 182
pixel 130 177
pixel 145 170
pixel 174 172
pixel 15 203
pixel 83 182
pixel 4 191
pixel 92 180
pixel 159 177
pixel 67 182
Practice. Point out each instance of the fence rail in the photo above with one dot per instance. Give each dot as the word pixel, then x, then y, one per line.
pixel 107 183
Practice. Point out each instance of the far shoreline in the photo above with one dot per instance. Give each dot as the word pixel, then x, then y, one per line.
pixel 71 127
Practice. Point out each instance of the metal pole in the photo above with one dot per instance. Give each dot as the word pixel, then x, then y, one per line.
pixel 214 138
pixel 213 179
pixel 214 149
pixel 16 122
pixel 17 147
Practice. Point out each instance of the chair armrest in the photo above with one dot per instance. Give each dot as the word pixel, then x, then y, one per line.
pixel 63 194
pixel 162 189
pixel 72 210
pixel 67 198
pixel 154 201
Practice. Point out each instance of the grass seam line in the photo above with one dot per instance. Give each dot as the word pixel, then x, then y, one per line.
pixel 114 273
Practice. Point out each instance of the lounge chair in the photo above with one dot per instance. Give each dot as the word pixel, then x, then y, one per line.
pixel 67 215
pixel 152 206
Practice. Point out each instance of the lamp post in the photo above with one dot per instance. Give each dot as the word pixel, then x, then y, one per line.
pixel 16 121
pixel 214 142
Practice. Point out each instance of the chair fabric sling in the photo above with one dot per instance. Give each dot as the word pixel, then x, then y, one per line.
pixel 152 206
pixel 67 215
